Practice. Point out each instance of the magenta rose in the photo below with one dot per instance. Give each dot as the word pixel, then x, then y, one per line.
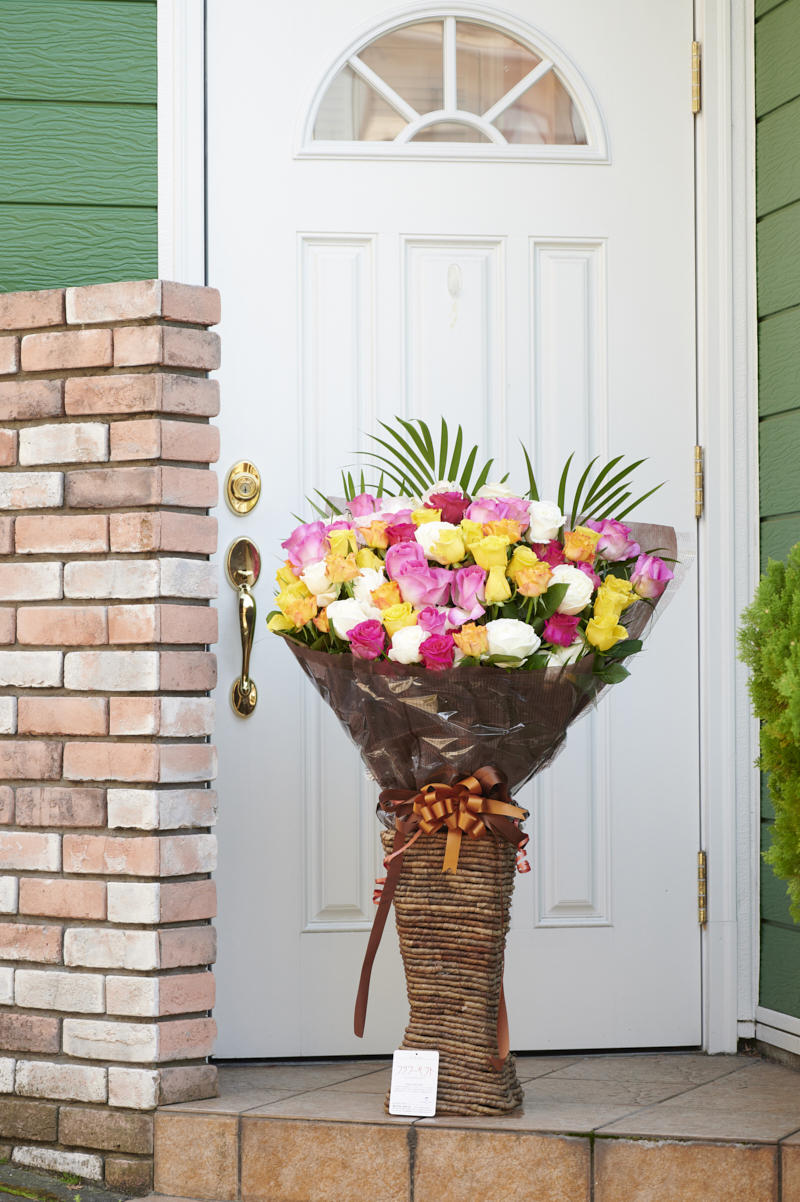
pixel 400 530
pixel 467 592
pixel 362 505
pixel 307 544
pixel 432 620
pixel 650 576
pixel 615 542
pixel 404 555
pixel 453 505
pixel 560 629
pixel 551 553
pixel 589 571
pixel 438 651
pixel 424 585
pixel 367 639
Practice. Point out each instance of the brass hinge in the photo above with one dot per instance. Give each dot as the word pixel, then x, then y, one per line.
pixel 702 912
pixel 699 482
pixel 695 77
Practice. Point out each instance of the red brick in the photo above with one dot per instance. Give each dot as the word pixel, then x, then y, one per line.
pixel 151 393
pixel 34 943
pixel 111 761
pixel 9 356
pixel 192 487
pixel 186 1039
pixel 107 1129
pixel 192 396
pixel 51 897
pixel 108 854
pixel 134 715
pixel 6 805
pixel 165 345
pixel 110 488
pixel 24 399
pixel 27 310
pixel 189 624
pixel 190 303
pixel 61 533
pixel 62 716
pixel 153 438
pixel 30 850
pixel 68 625
pixel 128 301
pixel 72 348
pixel 133 624
pixel 184 946
pixel 188 901
pixel 187 762
pixel 27 760
pixel 55 806
pixel 28 1033
pixel 8 448
pixel 7 537
pixel 184 532
pixel 188 671
pixel 8 625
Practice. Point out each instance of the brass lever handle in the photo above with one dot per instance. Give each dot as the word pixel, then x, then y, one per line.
pixel 243 568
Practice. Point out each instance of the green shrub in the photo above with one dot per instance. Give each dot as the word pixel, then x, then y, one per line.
pixel 769 643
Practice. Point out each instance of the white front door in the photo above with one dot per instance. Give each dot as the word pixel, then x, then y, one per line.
pixel 537 285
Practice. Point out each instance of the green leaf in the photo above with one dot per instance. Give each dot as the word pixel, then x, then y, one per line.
pixel 562 484
pixel 412 463
pixel 600 477
pixel 634 504
pixel 484 476
pixel 423 441
pixel 612 508
pixel 467 472
pixel 613 673
pixel 443 450
pixel 576 500
pixel 610 499
pixel 455 462
pixel 625 648
pixel 538 660
pixel 620 479
pixel 533 491
pixel 550 601
pixel 398 464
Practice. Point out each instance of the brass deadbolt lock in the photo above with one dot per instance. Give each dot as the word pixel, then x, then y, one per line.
pixel 243 486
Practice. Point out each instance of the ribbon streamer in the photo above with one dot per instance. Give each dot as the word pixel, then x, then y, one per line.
pixel 472 806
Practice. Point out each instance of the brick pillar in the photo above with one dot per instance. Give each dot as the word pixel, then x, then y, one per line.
pixel 105 809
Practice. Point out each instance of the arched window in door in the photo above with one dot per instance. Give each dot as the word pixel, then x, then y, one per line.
pixel 455 84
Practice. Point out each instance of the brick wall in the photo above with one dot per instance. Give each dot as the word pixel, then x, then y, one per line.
pixel 105 809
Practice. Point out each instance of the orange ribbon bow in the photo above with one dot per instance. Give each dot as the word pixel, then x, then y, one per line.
pixel 471 806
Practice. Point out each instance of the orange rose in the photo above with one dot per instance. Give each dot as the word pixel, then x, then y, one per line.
pixel 505 527
pixel 534 580
pixel 386 595
pixel 321 621
pixel 472 640
pixel 341 567
pixel 374 535
pixel 300 610
pixel 581 544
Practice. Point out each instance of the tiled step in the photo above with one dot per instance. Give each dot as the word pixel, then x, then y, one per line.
pixel 623 1128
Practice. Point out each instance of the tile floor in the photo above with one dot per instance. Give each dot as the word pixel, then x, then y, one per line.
pixel 678 1127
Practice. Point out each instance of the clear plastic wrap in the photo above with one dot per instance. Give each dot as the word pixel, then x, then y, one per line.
pixel 413 725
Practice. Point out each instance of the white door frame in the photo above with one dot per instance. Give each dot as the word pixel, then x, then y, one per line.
pixel 727 429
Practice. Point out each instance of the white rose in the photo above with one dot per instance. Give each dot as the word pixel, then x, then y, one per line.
pixel 369 579
pixel 494 491
pixel 546 521
pixel 406 644
pixel 392 504
pixel 441 486
pixel 429 533
pixel 560 656
pixel 579 592
pixel 509 636
pixel 316 579
pixel 344 615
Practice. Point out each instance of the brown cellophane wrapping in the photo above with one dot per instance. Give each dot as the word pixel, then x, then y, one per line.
pixel 452 932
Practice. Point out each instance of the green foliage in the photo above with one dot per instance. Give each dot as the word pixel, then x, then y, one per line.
pixel 769 643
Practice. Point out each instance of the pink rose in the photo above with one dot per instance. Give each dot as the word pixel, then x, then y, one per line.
pixel 467 591
pixel 424 585
pixel 497 509
pixel 452 505
pixel 307 544
pixel 551 553
pixel 615 542
pixel 362 505
pixel 367 639
pixel 432 620
pixel 403 555
pixel 438 652
pixel 650 576
pixel 560 629
pixel 400 529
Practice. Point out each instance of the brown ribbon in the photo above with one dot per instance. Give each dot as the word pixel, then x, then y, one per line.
pixel 471 806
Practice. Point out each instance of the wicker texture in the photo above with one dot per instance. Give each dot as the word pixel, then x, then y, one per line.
pixel 452 930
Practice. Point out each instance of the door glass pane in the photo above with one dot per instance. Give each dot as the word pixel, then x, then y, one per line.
pixel 352 112
pixel 544 114
pixel 450 131
pixel 488 64
pixel 410 61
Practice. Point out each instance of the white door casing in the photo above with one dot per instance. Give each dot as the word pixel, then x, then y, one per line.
pixel 548 253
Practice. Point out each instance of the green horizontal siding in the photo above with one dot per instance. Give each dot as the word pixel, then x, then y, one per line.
pixel 78 142
pixel 777 36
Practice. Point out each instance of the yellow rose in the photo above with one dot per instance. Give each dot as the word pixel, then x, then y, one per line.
pixel 533 581
pixel 374 535
pixel 341 567
pixel 472 532
pixel 368 559
pixel 491 552
pixel 297 604
pixel 420 516
pixel 286 575
pixel 603 633
pixel 505 527
pixel 581 544
pixel 523 557
pixel 472 640
pixel 449 547
pixel 613 596
pixel 278 623
pixel 386 595
pixel 497 588
pixel 397 616
pixel 321 621
pixel 342 542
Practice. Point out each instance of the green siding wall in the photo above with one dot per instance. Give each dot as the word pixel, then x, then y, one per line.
pixel 78 142
pixel 778 248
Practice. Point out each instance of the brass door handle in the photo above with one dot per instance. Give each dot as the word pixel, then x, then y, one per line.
pixel 243 567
